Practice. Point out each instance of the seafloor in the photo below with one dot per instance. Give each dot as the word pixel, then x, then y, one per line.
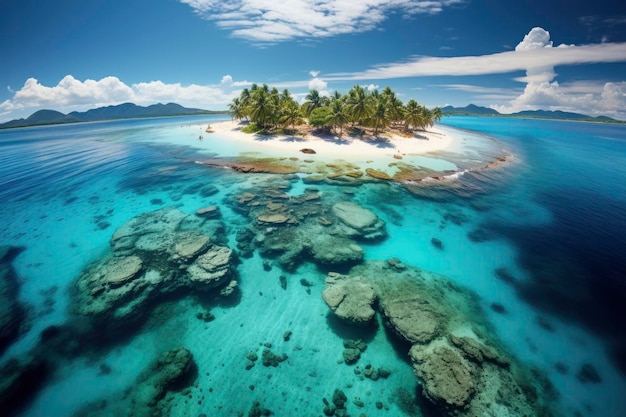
pixel 168 287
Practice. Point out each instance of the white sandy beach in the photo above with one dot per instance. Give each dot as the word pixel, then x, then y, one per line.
pixel 434 139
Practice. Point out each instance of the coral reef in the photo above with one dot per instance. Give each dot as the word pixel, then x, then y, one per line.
pixel 154 254
pixel 460 364
pixel 310 226
pixel 350 298
pixel 173 370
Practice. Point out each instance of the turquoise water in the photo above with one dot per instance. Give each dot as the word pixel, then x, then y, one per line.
pixel 554 217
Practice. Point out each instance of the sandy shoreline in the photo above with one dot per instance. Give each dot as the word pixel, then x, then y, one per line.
pixel 345 147
pixel 439 153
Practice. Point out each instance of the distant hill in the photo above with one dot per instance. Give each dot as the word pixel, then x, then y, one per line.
pixel 473 110
pixel 122 111
pixel 469 109
pixel 563 115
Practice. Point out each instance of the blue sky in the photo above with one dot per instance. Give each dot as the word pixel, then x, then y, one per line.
pixel 509 55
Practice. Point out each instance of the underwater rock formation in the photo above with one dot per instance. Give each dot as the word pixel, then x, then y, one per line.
pixel 460 364
pixel 364 223
pixel 153 254
pixel 350 299
pixel 173 370
pixel 310 226
pixel 12 312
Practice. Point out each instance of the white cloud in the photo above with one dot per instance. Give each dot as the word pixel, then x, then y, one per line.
pixel 317 84
pixel 537 38
pixel 585 97
pixel 542 92
pixel 282 20
pixel 226 81
pixel 536 55
pixel 372 87
pixel 314 73
pixel 482 94
pixel 72 94
pixel 499 63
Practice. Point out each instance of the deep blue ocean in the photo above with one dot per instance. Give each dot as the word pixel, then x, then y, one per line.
pixel 541 240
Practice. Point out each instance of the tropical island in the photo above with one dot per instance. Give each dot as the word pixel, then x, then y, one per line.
pixel 358 137
pixel 359 112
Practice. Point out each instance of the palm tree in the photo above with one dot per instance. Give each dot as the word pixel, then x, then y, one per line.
pixel 360 106
pixel 285 97
pixel 244 98
pixel 236 109
pixel 380 116
pixel 290 114
pixel 312 101
pixel 336 96
pixel 262 107
pixel 412 114
pixel 338 116
pixel 437 114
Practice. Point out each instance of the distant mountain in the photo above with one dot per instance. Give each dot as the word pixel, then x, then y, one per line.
pixel 558 114
pixel 473 110
pixel 41 117
pixel 122 111
pixel 469 109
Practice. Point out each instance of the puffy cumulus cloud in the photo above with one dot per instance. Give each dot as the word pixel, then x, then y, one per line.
pixel 538 57
pixel 372 87
pixel 537 38
pixel 591 98
pixel 318 84
pixel 542 92
pixel 72 94
pixel 269 21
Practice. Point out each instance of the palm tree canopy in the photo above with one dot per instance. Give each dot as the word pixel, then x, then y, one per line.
pixel 312 101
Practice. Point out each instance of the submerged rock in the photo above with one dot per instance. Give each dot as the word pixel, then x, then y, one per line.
pixel 588 374
pixel 460 366
pixel 350 299
pixel 447 377
pixel 118 270
pixel 147 396
pixel 212 268
pixel 381 175
pixel 209 211
pixel 276 218
pixel 437 243
pixel 331 250
pixel 412 318
pixel 189 244
pixel 153 254
pixel 364 222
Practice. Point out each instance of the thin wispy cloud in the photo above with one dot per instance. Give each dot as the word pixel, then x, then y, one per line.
pixel 269 21
pixel 482 93
pixel 499 63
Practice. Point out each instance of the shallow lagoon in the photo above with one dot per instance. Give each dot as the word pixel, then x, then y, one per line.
pixel 66 189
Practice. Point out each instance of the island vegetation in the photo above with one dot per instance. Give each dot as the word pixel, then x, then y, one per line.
pixel 360 111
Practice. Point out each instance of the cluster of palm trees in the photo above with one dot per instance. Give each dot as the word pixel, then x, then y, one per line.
pixel 360 109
